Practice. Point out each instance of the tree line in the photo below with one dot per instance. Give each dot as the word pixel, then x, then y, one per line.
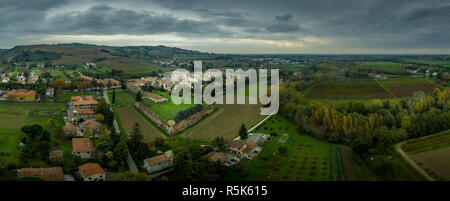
pixel 369 127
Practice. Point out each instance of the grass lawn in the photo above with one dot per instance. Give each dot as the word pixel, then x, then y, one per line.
pixel 168 110
pixel 14 115
pixel 307 159
pixel 9 140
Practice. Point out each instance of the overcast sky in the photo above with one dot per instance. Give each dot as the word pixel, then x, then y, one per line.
pixel 234 26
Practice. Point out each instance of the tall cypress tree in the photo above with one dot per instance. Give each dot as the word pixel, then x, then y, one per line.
pixel 243 132
pixel 114 96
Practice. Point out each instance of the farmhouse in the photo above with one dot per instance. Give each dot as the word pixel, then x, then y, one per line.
pixel 82 107
pixel 156 163
pixel 258 138
pixel 21 94
pixel 50 92
pixel 46 174
pixel 236 147
pixel 247 149
pixel 82 147
pixel 92 172
pixel 5 79
pixel 90 125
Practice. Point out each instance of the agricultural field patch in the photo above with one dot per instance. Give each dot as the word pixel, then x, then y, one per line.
pixel 129 116
pixel 388 67
pixel 225 122
pixel 14 115
pixel 381 64
pixel 402 87
pixel 429 152
pixel 435 163
pixel 348 89
pixel 428 143
pixel 306 159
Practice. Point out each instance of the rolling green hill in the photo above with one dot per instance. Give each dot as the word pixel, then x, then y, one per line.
pixel 120 58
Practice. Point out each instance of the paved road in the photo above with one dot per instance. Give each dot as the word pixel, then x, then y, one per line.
pixel 131 164
pixel 398 148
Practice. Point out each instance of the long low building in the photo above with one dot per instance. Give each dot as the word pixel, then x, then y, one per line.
pixel 46 174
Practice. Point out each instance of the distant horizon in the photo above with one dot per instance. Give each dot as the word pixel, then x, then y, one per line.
pixel 237 53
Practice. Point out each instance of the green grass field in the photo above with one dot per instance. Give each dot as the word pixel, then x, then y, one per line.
pixel 382 64
pixel 15 115
pixel 307 159
pixel 9 140
pixel 167 110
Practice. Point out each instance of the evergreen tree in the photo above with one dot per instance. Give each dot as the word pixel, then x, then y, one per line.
pixel 243 132
pixel 138 97
pixel 114 96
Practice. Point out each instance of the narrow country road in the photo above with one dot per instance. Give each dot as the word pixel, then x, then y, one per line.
pixel 398 148
pixel 131 164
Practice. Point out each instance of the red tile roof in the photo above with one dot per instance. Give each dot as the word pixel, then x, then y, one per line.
pixel 46 174
pixel 156 160
pixel 82 145
pixel 84 100
pixel 90 169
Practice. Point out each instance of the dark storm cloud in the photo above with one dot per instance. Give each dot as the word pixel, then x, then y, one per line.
pixel 385 24
pixel 282 25
pixel 283 18
pixel 103 19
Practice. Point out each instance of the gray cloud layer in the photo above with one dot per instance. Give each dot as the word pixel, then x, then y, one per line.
pixel 349 24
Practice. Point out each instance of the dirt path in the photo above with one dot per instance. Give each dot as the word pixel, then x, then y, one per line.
pixel 346 155
pixel 398 148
